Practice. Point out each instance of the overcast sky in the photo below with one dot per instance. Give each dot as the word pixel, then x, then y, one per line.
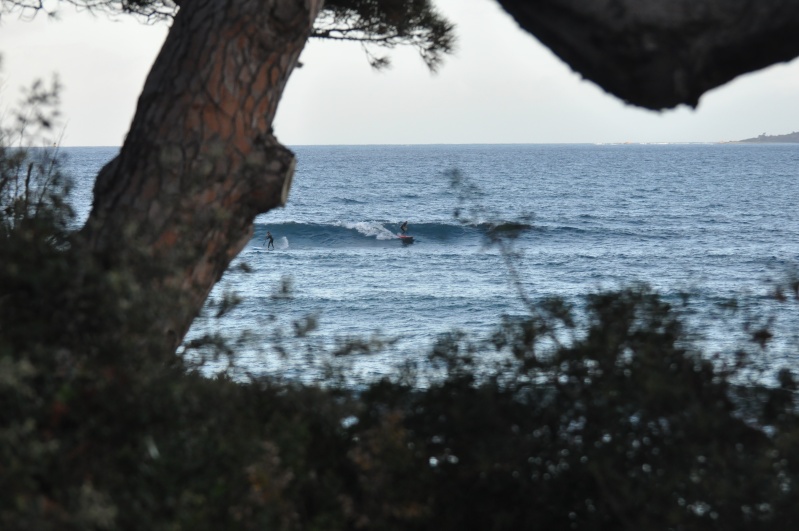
pixel 501 86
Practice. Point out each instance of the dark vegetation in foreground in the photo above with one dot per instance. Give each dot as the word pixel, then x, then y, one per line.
pixel 614 424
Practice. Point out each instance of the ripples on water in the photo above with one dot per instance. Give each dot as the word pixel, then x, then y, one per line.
pixel 715 221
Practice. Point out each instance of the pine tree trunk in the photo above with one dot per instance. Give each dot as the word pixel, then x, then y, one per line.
pixel 200 160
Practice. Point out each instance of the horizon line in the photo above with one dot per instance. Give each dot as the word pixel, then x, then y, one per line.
pixel 615 143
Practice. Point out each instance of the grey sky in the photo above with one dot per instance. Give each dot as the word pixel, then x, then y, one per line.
pixel 501 86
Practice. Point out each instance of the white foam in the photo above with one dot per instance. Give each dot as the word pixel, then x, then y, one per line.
pixel 369 228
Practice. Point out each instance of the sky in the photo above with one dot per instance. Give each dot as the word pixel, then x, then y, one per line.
pixel 500 86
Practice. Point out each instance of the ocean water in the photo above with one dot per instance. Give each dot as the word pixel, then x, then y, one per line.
pixel 716 221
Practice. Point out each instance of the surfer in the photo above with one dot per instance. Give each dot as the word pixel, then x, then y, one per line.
pixel 271 244
pixel 404 227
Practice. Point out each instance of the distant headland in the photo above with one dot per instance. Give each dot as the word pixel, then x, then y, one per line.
pixel 772 139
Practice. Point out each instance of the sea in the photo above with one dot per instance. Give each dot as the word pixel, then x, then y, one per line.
pixel 710 227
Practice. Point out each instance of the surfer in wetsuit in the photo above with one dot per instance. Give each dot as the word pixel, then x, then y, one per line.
pixel 404 227
pixel 271 244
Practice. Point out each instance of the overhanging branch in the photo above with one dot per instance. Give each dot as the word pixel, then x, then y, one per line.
pixel 658 54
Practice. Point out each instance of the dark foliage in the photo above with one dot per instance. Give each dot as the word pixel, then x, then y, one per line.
pixel 388 23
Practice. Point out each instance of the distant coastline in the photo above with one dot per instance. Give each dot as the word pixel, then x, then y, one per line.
pixel 790 138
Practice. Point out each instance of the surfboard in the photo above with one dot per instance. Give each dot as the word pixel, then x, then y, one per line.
pixel 405 238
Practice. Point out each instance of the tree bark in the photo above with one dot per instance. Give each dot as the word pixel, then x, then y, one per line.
pixel 661 53
pixel 200 160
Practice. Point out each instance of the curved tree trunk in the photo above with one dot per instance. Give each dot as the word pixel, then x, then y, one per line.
pixel 200 161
